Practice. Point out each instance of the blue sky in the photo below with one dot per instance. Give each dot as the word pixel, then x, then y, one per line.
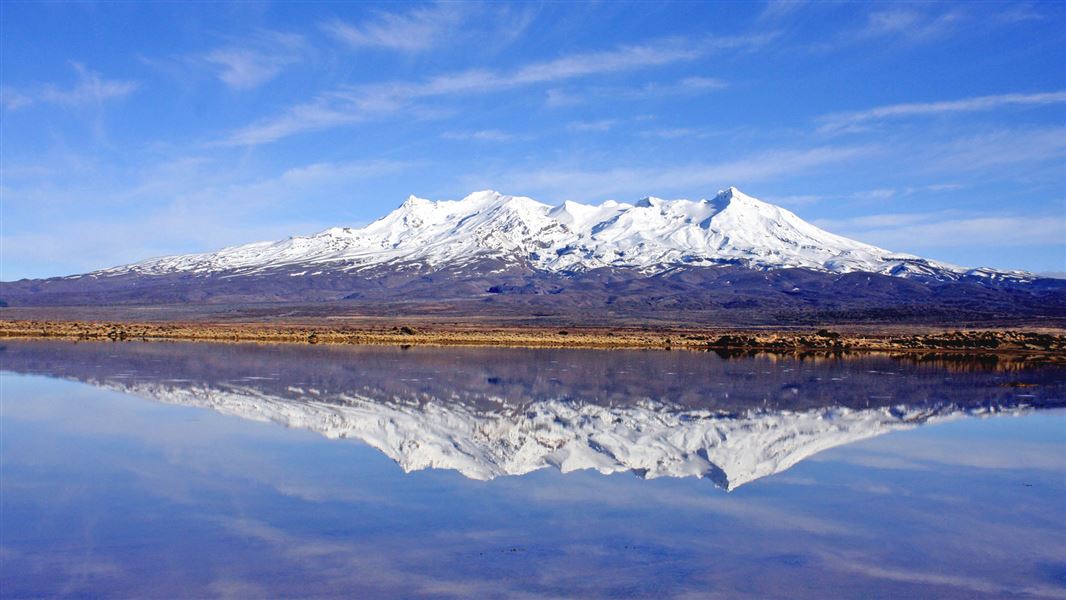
pixel 132 130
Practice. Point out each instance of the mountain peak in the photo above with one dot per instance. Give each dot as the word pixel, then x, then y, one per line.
pixel 413 201
pixel 482 196
pixel 731 193
pixel 651 236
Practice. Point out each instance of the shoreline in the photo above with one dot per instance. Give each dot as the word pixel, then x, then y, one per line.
pixel 1026 345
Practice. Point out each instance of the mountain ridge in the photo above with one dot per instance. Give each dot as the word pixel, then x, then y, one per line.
pixel 730 259
pixel 651 236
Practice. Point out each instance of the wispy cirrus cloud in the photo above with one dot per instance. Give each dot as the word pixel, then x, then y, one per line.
pixel 906 25
pixel 255 61
pixel 1020 148
pixel 483 135
pixel 779 9
pixel 558 97
pixel 177 205
pixel 610 61
pixel 686 85
pixel 909 24
pixel 941 229
pixel 415 30
pixel 863 119
pixel 674 133
pixel 600 125
pixel 91 88
pixel 1020 13
pixel 353 104
pixel 691 133
pixel 877 195
pixel 693 179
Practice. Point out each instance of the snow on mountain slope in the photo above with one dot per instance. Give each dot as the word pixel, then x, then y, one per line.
pixel 651 439
pixel 652 235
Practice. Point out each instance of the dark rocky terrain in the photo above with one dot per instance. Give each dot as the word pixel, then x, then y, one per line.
pixel 710 295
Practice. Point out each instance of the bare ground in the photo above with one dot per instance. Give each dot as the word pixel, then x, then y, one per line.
pixel 1047 345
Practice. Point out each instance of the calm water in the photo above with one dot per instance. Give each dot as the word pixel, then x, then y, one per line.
pixel 178 470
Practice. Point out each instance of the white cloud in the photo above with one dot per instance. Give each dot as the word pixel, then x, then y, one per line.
pixel 587 126
pixel 244 68
pixel 610 61
pixel 1000 148
pixel 779 9
pixel 12 99
pixel 556 97
pixel 876 194
pixel 795 199
pixel 859 120
pixel 901 231
pixel 255 61
pixel 1019 13
pixel 687 86
pixel 321 114
pixel 908 24
pixel 914 23
pixel 702 83
pixel 413 31
pixel 484 135
pixel 189 205
pixel 318 173
pixel 350 105
pixel 673 133
pixel 865 196
pixel 91 88
pixel 693 179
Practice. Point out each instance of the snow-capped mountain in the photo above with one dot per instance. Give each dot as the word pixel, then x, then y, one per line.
pixel 490 412
pixel 651 236
pixel 649 439
pixel 493 254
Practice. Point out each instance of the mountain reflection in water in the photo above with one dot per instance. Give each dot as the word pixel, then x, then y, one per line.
pixel 487 412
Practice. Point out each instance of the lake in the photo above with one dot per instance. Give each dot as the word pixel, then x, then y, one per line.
pixel 238 470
